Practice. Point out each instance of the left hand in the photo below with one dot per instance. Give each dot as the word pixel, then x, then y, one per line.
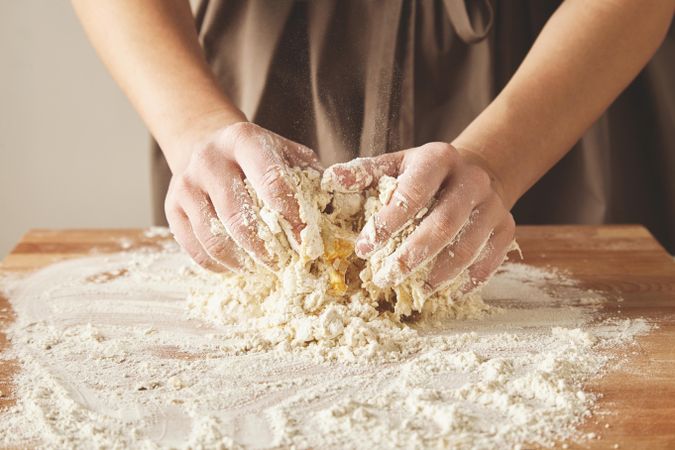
pixel 468 226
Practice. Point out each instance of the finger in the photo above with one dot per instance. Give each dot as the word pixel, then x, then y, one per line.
pixel 301 156
pixel 266 169
pixel 210 233
pixel 182 232
pixel 422 173
pixel 464 250
pixel 492 255
pixel 296 155
pixel 451 214
pixel 232 206
pixel 360 173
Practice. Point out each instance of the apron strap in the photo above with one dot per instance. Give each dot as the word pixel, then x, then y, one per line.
pixel 459 17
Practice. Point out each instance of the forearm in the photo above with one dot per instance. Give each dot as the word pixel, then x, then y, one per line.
pixel 584 57
pixel 152 50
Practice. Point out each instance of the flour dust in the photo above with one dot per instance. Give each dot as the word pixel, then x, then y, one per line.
pixel 111 357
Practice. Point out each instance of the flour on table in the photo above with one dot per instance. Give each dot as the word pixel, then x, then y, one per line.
pixel 154 232
pixel 107 358
pixel 315 353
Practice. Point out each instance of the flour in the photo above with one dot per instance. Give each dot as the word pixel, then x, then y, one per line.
pixel 321 296
pixel 322 350
pixel 108 359
pixel 154 232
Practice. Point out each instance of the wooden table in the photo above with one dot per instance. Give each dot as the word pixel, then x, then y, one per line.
pixel 623 261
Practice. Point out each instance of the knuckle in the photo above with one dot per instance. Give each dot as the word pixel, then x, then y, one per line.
pixel 240 131
pixel 413 196
pixel 412 255
pixel 171 211
pixel 272 179
pixel 184 185
pixel 440 226
pixel 463 252
pixel 214 245
pixel 380 230
pixel 407 262
pixel 238 223
pixel 202 259
pixel 172 208
pixel 383 230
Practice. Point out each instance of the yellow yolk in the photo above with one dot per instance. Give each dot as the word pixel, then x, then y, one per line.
pixel 336 253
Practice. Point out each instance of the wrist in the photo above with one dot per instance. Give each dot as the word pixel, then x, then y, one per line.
pixel 504 190
pixel 496 142
pixel 195 132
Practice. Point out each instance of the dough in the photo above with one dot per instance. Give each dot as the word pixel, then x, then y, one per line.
pixel 322 294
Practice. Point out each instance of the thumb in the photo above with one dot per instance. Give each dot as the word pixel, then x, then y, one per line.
pixel 360 173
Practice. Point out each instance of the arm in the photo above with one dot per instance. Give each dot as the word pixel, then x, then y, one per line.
pixel 585 55
pixel 151 48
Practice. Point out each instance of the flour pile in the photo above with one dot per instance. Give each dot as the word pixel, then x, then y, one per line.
pixel 108 359
pixel 321 295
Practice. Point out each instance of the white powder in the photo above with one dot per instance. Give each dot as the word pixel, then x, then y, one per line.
pixel 108 359
pixel 323 297
pixel 155 232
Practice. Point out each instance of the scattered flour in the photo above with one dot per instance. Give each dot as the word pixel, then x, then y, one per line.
pixel 155 232
pixel 108 359
pixel 322 350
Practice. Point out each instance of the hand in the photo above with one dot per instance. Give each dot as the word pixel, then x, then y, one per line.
pixel 467 226
pixel 208 206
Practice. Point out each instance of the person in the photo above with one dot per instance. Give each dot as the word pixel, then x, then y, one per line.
pixel 453 98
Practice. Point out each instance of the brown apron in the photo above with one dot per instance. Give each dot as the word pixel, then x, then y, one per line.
pixel 358 78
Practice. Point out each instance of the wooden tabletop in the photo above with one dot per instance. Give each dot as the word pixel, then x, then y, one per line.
pixel 623 261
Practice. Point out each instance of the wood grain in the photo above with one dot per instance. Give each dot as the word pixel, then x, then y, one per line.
pixel 624 262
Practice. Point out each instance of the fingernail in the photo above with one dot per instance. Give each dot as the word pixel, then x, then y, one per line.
pixel 363 248
pixel 364 244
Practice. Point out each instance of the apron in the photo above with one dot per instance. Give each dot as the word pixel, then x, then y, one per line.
pixel 354 78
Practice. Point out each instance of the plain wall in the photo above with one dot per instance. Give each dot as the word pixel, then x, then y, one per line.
pixel 73 153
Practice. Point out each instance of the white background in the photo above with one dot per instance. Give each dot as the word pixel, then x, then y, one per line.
pixel 73 153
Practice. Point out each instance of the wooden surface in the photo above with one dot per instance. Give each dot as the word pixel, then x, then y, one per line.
pixel 621 261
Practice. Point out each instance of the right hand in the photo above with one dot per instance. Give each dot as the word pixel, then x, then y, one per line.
pixel 211 188
pixel 468 227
